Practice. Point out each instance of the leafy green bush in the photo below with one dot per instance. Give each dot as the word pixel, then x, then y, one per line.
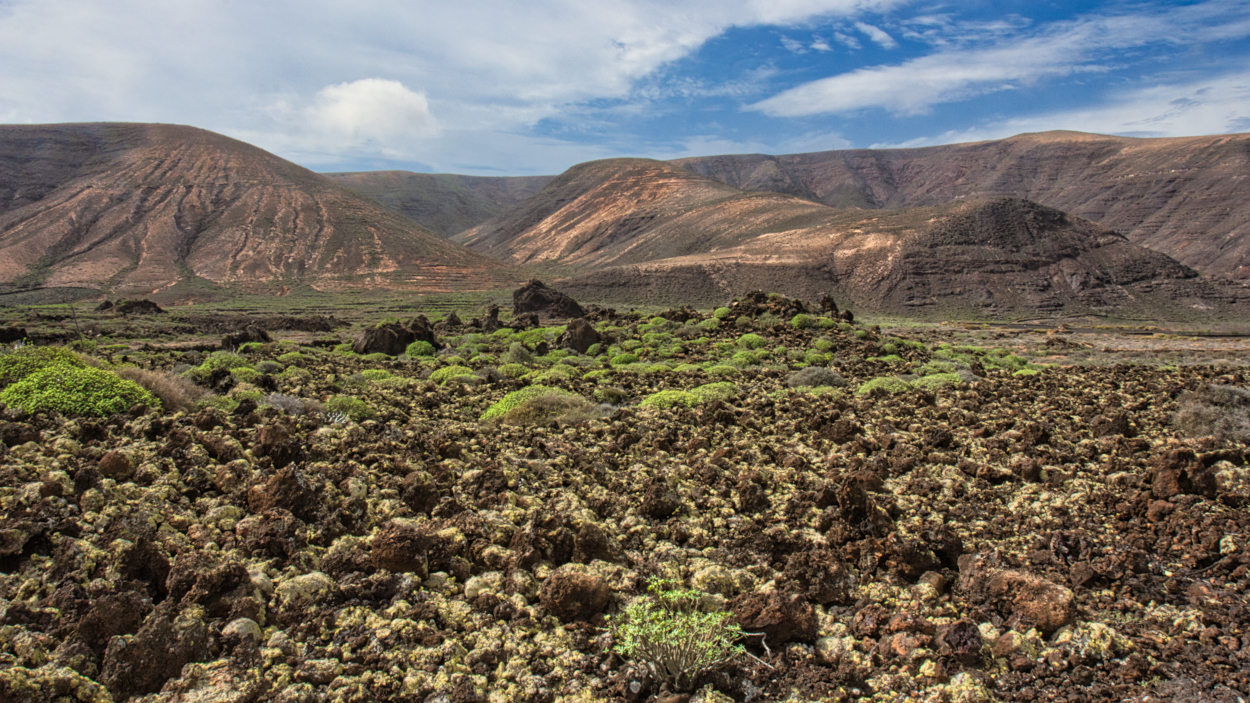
pixel 449 372
pixel 250 347
pixel 751 340
pixel 376 374
pixel 594 350
pixel 711 324
pixel 344 348
pixel 16 365
pixel 1027 371
pixel 611 395
pixel 885 385
pixel 419 348
pixel 671 634
pixel 76 390
pixel 518 354
pixel 354 408
pixel 516 398
pixel 937 380
pixel 801 321
pixel 623 359
pixel 743 359
pixel 246 374
pixel 376 356
pixel 721 313
pixel 826 323
pixel 223 360
pixel 514 370
pixel 861 334
pixel 721 390
pixel 722 370
pixel 670 399
pixel 890 359
pixel 935 367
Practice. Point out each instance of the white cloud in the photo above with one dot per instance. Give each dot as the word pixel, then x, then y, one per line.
pixel 877 35
pixel 819 44
pixel 847 40
pixel 371 109
pixel 915 86
pixel 793 46
pixel 1218 105
pixel 485 66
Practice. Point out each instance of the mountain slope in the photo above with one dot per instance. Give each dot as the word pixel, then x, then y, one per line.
pixel 445 203
pixel 1187 197
pixel 138 208
pixel 635 230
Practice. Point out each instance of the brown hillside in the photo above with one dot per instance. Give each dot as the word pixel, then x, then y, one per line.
pixel 1186 197
pixel 624 211
pixel 445 203
pixel 137 208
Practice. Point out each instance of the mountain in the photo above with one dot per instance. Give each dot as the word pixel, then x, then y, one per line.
pixel 638 230
pixel 1186 197
pixel 141 208
pixel 444 203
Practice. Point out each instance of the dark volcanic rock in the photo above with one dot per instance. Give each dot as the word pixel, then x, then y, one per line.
pixel 781 617
pixel 571 594
pixel 1023 596
pixel 538 298
pixel 1180 471
pixel 288 489
pixel 393 338
pixel 138 307
pixel 249 334
pixel 9 335
pixel 822 576
pixel 579 336
pixel 139 664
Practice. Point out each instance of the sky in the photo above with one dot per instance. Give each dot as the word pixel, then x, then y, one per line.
pixel 503 87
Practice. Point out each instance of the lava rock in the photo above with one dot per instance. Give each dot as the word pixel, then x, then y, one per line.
pixel 250 334
pixel 138 307
pixel 537 298
pixel 1180 471
pixel 572 594
pixel 579 336
pixel 167 641
pixel 782 617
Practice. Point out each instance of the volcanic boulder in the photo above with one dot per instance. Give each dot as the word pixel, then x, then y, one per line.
pixel 572 594
pixel 579 336
pixel 138 307
pixel 538 298
pixel 251 333
pixel 393 338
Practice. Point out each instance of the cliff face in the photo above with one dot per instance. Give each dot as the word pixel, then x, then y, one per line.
pixel 136 208
pixel 1186 197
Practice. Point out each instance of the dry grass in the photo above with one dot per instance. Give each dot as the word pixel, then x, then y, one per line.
pixel 1215 411
pixel 175 392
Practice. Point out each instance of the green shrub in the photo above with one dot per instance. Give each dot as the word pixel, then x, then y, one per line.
pixel 250 347
pixel 513 370
pixel 672 634
pixel 815 358
pixel 751 340
pixel 935 367
pixel 683 368
pixel 801 321
pixel 721 313
pixel 744 323
pixel 344 348
pixel 890 359
pixel 518 354
pixel 596 375
pixel 594 350
pixel 449 372
pixel 937 380
pixel 293 373
pixel 223 360
pixel 711 324
pixel 826 323
pixel 623 359
pixel 722 370
pixel 670 399
pixel 611 395
pixel 889 348
pixel 556 372
pixel 721 390
pixel 1027 371
pixel 743 359
pixel 14 366
pixel 885 385
pixel 246 374
pixel 861 334
pixel 814 377
pixel 354 408
pixel 503 333
pixel 453 360
pixel 376 374
pixel 514 399
pixel 76 390
pixel 419 348
pixel 845 326
pixel 376 356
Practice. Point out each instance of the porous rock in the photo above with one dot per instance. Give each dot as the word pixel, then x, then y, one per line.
pixel 782 617
pixel 571 594
pixel 537 298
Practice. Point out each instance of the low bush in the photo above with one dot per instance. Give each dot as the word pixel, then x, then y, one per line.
pixel 751 340
pixel 297 357
pixel 937 380
pixel 801 321
pixel 885 385
pixel 513 370
pixel 815 376
pixel 721 390
pixel 670 399
pixel 354 408
pixel 516 399
pixel 175 392
pixel 721 313
pixel 419 348
pixel 16 365
pixel 76 390
pixel 447 373
pixel 623 359
pixel 1215 411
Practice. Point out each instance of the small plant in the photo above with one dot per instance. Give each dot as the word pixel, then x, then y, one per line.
pixel 751 341
pixel 174 392
pixel 1215 410
pixel 670 399
pixel 419 348
pixel 447 373
pixel 354 408
pixel 672 635
pixel 801 321
pixel 623 359
pixel 721 313
pixel 885 385
pixel 25 360
pixel 814 377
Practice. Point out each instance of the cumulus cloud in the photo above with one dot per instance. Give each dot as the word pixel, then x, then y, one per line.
pixel 1081 46
pixel 371 109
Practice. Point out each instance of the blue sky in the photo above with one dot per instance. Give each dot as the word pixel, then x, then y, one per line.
pixel 509 88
